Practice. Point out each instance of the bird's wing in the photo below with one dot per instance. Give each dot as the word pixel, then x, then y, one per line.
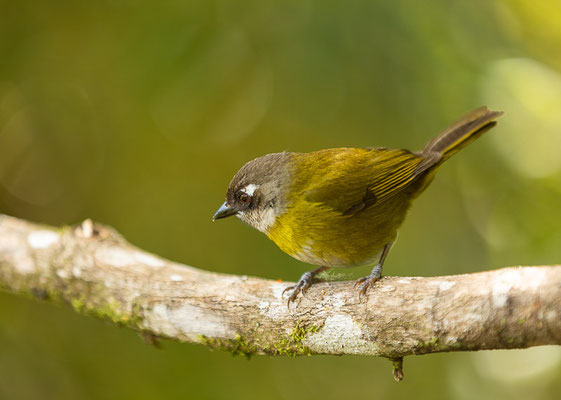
pixel 350 183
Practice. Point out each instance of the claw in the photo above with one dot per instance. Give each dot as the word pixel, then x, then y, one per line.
pixel 369 280
pixel 292 296
pixel 359 281
pixel 301 287
pixel 295 290
pixel 365 283
pixel 287 288
pixel 303 284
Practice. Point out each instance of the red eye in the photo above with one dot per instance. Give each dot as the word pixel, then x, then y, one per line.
pixel 244 198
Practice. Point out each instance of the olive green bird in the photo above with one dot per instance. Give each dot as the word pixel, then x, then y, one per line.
pixel 341 207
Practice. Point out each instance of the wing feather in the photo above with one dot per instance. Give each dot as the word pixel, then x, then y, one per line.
pixel 351 180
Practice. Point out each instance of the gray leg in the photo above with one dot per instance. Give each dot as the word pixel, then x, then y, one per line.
pixel 376 273
pixel 303 284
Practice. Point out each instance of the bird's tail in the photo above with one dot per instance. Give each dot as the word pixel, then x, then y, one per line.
pixel 461 133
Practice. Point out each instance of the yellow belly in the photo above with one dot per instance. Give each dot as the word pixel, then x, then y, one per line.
pixel 317 235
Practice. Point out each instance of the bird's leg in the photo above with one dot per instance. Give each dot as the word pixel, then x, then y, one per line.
pixel 376 273
pixel 303 284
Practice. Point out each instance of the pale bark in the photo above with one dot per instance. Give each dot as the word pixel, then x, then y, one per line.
pixel 93 269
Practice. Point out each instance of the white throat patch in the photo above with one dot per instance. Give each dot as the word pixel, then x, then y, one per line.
pixel 261 220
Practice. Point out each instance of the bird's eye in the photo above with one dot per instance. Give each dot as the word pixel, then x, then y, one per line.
pixel 244 198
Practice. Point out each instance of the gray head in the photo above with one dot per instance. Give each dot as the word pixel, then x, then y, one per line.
pixel 255 194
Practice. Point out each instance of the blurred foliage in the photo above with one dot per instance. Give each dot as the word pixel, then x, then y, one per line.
pixel 137 115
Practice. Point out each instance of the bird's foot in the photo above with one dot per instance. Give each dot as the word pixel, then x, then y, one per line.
pixel 301 287
pixel 368 281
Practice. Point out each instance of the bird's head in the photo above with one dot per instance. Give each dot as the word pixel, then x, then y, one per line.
pixel 257 193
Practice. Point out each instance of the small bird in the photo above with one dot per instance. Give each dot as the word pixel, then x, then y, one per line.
pixel 341 207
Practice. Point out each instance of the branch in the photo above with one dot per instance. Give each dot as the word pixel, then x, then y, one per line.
pixel 93 269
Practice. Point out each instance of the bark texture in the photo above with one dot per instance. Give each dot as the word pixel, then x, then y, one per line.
pixel 94 270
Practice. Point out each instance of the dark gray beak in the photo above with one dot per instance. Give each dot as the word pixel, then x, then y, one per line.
pixel 223 212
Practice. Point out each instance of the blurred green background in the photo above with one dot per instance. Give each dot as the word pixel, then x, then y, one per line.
pixel 138 114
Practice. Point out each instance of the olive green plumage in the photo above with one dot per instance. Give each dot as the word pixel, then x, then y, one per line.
pixel 372 198
pixel 341 207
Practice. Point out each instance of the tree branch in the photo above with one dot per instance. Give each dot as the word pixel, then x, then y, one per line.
pixel 93 269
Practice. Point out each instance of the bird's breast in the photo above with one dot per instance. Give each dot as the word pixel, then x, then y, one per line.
pixel 332 241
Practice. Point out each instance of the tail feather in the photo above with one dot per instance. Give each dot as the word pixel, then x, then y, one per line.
pixel 461 133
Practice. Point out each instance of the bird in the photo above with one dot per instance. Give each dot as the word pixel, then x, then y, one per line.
pixel 342 207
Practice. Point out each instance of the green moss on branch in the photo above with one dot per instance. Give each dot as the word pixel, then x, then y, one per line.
pixel 289 345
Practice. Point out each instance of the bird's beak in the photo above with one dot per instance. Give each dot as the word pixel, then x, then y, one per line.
pixel 223 212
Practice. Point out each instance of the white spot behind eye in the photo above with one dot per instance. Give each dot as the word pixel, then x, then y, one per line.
pixel 250 189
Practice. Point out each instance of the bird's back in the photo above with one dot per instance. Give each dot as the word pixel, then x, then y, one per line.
pixel 346 205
